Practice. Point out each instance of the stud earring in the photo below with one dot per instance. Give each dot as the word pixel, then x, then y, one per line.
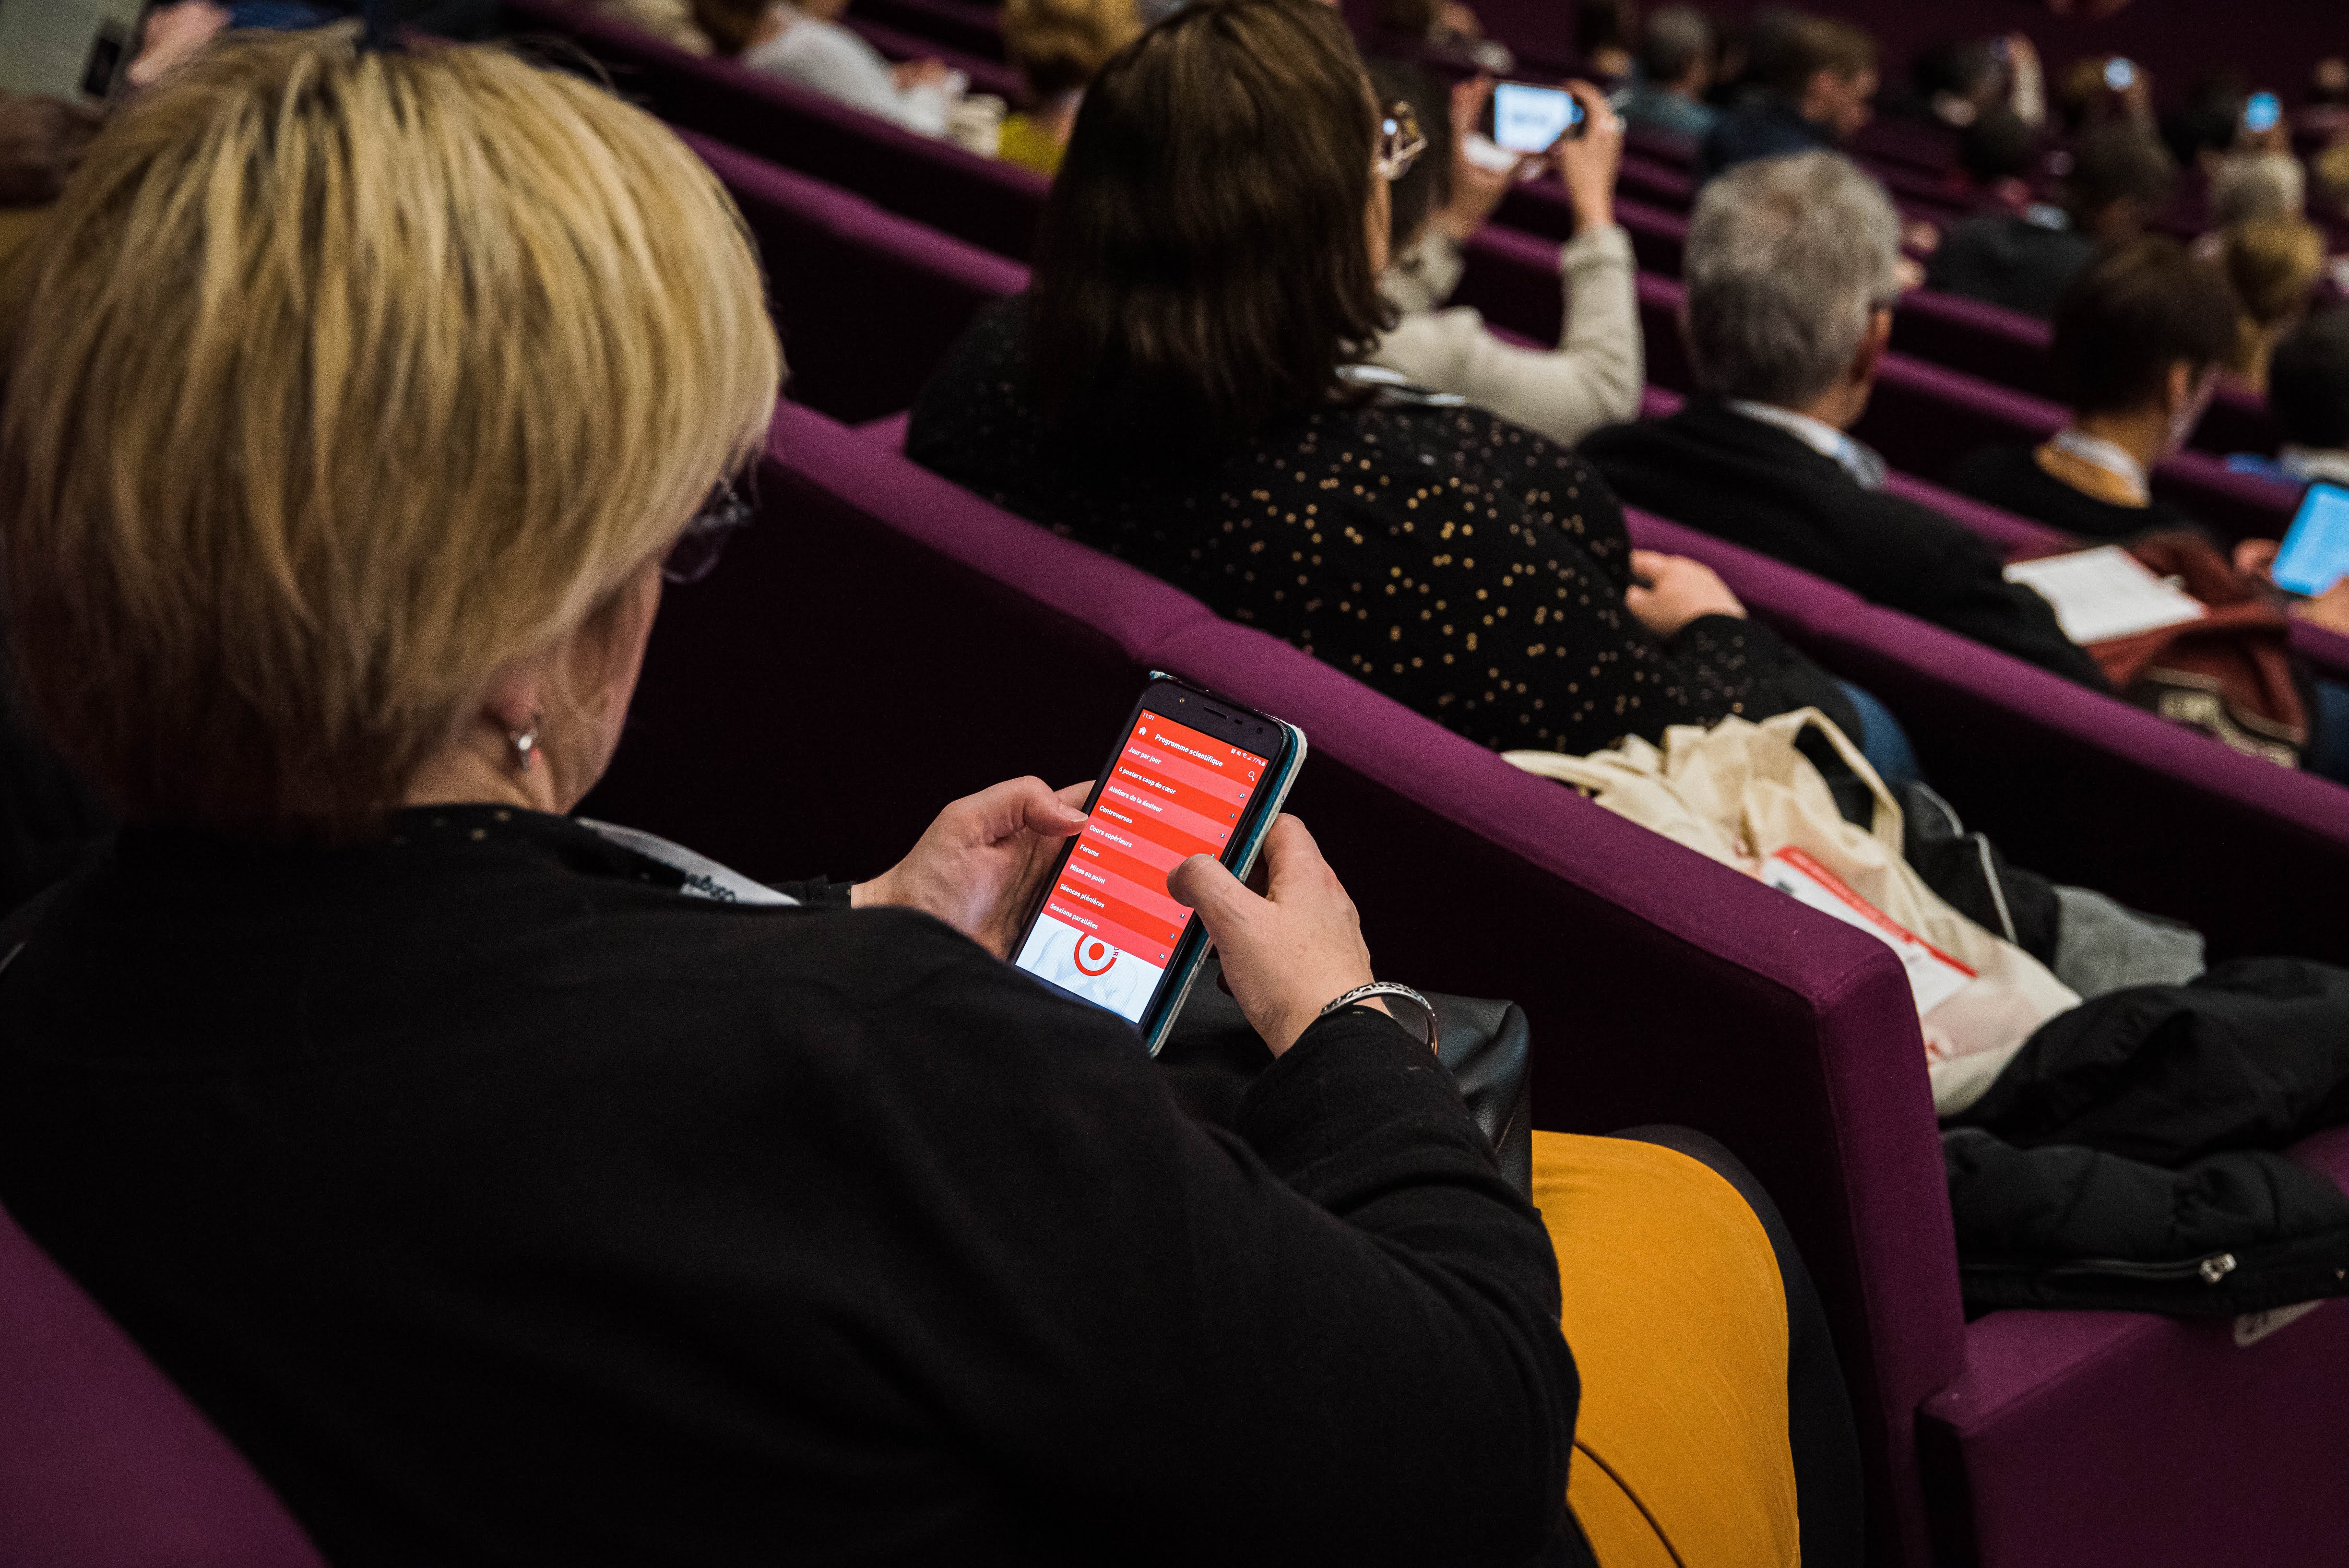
pixel 525 741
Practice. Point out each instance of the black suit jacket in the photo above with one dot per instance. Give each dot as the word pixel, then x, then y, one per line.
pixel 1711 468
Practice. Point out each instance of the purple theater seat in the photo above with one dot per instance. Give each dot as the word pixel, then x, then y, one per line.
pixel 2237 1453
pixel 2010 348
pixel 1814 1083
pixel 1924 420
pixel 884 641
pixel 959 24
pixel 986 74
pixel 2326 652
pixel 989 202
pixel 867 302
pixel 2072 783
pixel 103 1463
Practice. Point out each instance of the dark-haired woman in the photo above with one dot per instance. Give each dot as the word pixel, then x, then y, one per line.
pixel 1181 387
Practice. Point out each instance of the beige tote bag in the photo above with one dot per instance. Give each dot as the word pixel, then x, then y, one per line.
pixel 1740 794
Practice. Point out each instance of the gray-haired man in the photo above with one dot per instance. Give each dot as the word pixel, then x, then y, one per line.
pixel 1789 268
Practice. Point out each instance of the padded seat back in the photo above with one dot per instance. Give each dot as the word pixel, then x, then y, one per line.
pixel 2070 783
pixel 985 200
pixel 103 1463
pixel 883 642
pixel 867 302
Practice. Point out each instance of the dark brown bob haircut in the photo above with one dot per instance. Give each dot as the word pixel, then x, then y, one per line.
pixel 1203 267
pixel 2132 313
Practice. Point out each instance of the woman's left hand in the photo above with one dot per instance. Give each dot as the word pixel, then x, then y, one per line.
pixel 982 862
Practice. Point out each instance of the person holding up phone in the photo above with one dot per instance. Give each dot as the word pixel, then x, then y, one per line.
pixel 1596 374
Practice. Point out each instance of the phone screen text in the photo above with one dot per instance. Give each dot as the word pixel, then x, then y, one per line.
pixel 1109 927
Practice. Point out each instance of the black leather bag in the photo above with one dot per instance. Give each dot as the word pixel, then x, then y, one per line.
pixel 1212 1056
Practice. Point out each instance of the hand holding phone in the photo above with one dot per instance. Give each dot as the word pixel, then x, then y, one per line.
pixel 1193 774
pixel 982 864
pixel 1289 953
pixel 2315 551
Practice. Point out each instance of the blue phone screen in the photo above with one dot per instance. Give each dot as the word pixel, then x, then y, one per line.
pixel 2262 112
pixel 2315 553
pixel 1531 118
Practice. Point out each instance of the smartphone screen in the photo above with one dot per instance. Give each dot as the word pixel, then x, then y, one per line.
pixel 1527 118
pixel 1109 928
pixel 2262 111
pixel 2119 75
pixel 2315 553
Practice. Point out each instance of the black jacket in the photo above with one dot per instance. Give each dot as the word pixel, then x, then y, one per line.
pixel 504 1205
pixel 2130 1157
pixel 1471 571
pixel 2007 259
pixel 1711 468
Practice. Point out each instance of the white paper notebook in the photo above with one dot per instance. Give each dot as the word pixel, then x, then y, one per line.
pixel 2105 593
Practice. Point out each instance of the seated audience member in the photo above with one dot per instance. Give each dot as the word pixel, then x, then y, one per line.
pixel 1174 390
pixel 1676 59
pixel 670 21
pixel 1790 277
pixel 1957 84
pixel 2308 394
pixel 1819 80
pixel 1057 46
pixel 805 43
pixel 2024 259
pixel 1594 376
pixel 1603 30
pixel 2274 265
pixel 1438 31
pixel 2140 338
pixel 498 1200
pixel 2245 186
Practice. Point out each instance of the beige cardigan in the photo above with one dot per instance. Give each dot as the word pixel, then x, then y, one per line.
pixel 1593 378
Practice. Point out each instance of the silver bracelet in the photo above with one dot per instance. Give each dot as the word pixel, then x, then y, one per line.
pixel 1390 988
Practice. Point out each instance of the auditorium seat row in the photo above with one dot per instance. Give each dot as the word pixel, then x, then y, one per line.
pixel 1924 418
pixel 1963 335
pixel 1981 719
pixel 1661 986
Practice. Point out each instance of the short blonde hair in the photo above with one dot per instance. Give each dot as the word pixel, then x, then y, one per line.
pixel 1059 46
pixel 341 379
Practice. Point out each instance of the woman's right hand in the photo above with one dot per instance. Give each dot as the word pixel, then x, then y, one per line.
pixel 1286 955
pixel 1673 590
pixel 1587 163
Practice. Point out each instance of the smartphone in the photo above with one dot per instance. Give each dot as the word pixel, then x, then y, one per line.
pixel 1530 119
pixel 1193 774
pixel 2119 75
pixel 2262 111
pixel 2315 553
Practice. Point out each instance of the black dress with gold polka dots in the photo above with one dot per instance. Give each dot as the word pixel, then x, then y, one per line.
pixel 1462 565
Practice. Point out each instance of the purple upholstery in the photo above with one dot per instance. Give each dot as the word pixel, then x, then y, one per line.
pixel 103 1463
pixel 986 74
pixel 2010 348
pixel 2235 1454
pixel 2080 786
pixel 989 202
pixel 867 302
pixel 1922 418
pixel 2326 653
pixel 778 729
pixel 960 24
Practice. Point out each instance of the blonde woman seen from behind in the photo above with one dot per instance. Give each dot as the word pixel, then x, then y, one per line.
pixel 499 1199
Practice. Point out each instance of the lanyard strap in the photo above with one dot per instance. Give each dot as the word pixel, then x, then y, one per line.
pixel 704 878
